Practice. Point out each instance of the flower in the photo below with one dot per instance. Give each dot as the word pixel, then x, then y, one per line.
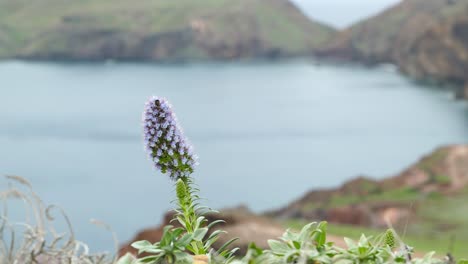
pixel 167 147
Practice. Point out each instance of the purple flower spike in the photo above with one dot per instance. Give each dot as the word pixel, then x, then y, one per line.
pixel 169 154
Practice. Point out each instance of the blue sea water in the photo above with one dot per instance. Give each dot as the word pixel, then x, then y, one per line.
pixel 265 133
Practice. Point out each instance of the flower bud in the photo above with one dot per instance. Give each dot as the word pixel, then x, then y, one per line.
pixel 390 238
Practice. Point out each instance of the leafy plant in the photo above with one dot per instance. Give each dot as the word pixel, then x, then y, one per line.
pixel 171 247
pixel 172 153
pixel 191 215
pixel 307 246
pixel 310 246
pixel 192 236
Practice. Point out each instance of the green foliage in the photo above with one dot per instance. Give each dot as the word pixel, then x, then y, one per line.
pixel 171 248
pixel 442 179
pixel 191 216
pixel 193 235
pixel 310 246
pixel 390 239
pixel 181 191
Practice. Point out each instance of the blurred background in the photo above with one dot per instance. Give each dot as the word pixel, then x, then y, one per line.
pixel 280 98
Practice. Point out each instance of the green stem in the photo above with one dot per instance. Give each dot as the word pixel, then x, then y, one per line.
pixel 189 214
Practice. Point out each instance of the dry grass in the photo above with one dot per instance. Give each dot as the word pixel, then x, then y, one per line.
pixel 36 240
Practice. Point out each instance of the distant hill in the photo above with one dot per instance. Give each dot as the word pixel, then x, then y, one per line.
pixel 427 39
pixel 156 30
pixel 428 199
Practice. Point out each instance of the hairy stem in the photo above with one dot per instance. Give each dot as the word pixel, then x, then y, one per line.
pixel 188 213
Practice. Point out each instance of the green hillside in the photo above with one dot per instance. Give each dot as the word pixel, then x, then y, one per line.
pixel 397 27
pixel 156 30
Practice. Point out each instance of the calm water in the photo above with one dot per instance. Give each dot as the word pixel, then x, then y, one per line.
pixel 265 134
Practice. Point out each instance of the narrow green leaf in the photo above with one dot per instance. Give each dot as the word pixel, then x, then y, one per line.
pixel 227 244
pixel 199 234
pixel 185 240
pixel 215 223
pixel 278 248
pixel 141 244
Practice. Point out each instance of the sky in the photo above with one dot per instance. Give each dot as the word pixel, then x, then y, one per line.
pixel 342 13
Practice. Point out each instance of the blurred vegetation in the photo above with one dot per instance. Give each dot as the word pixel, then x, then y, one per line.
pixel 401 25
pixel 439 223
pixel 40 28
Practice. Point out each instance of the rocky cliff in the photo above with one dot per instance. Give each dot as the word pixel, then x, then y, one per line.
pixel 426 39
pixel 156 30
